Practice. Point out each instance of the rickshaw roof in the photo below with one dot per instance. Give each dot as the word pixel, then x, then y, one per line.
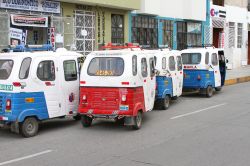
pixel 199 50
pixel 22 55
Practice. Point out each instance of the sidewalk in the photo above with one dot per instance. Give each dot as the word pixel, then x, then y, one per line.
pixel 238 75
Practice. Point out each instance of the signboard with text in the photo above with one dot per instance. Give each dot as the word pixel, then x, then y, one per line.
pixel 32 5
pixel 30 21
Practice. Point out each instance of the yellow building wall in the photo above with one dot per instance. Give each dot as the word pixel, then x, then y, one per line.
pixel 68 10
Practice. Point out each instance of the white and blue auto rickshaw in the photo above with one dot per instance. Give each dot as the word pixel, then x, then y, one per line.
pixel 204 69
pixel 169 77
pixel 37 86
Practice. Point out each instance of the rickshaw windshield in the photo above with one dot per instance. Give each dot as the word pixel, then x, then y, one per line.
pixel 5 69
pixel 103 66
pixel 191 58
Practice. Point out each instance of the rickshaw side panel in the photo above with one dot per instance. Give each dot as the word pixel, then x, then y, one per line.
pixel 191 79
pixel 24 105
pixel 164 87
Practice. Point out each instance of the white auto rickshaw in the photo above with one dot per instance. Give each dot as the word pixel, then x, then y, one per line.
pixel 117 84
pixel 37 86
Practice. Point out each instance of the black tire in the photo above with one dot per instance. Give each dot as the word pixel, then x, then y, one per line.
pixel 120 121
pixel 86 121
pixel 218 89
pixel 77 117
pixel 138 121
pixel 166 102
pixel 174 98
pixel 29 127
pixel 209 91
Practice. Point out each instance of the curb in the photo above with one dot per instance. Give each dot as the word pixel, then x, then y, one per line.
pixel 237 80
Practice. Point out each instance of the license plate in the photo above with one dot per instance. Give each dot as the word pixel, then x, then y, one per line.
pixel 124 107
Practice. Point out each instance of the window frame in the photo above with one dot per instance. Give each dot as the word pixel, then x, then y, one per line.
pixel 75 79
pixel 144 74
pixel 207 58
pixel 239 35
pixel 179 63
pixel 11 68
pixel 134 65
pixel 90 74
pixel 169 63
pixel 164 63
pixel 28 68
pixel 54 71
pixel 212 59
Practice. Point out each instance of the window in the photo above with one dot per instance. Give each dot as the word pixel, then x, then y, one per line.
pixel 239 37
pixel 207 58
pixel 231 35
pixel 46 71
pixel 152 67
pixel 164 63
pixel 171 63
pixel 70 71
pixel 191 58
pixel 144 67
pixel 214 59
pixel 117 22
pixel 167 28
pixel 5 69
pixel 145 31
pixel 218 2
pixel 106 67
pixel 179 63
pixel 25 68
pixel 188 34
pixel 134 65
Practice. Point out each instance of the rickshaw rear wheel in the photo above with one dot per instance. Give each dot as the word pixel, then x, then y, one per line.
pixel 218 89
pixel 29 127
pixel 86 121
pixel 138 121
pixel 77 117
pixel 209 91
pixel 166 102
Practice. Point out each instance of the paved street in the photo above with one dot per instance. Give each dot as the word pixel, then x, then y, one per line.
pixel 195 131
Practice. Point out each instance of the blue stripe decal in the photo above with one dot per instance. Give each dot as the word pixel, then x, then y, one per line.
pixel 164 87
pixel 191 79
pixel 20 108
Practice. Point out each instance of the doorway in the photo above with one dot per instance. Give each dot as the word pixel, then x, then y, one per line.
pixel 217 37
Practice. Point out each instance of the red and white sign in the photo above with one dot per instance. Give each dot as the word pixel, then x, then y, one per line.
pixel 51 34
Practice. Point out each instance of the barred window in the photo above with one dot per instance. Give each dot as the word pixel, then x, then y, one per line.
pixel 231 34
pixel 239 37
pixel 167 33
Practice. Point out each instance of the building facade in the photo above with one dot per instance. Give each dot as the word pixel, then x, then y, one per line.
pixel 229 20
pixel 81 25
pixel 177 24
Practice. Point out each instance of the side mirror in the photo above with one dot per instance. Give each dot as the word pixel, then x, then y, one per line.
pixel 227 61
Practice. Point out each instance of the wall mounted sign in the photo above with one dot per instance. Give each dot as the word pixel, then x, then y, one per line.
pixel 29 21
pixel 218 11
pixel 32 5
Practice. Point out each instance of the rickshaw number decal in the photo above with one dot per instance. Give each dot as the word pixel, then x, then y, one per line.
pixel 104 73
pixel 124 107
pixel 6 87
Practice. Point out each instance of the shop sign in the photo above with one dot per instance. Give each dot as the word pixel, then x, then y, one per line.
pixel 193 27
pixel 30 21
pixel 18 36
pixel 32 5
pixel 51 34
pixel 218 11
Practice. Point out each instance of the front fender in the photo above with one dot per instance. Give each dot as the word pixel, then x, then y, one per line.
pixel 167 92
pixel 32 112
pixel 138 106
